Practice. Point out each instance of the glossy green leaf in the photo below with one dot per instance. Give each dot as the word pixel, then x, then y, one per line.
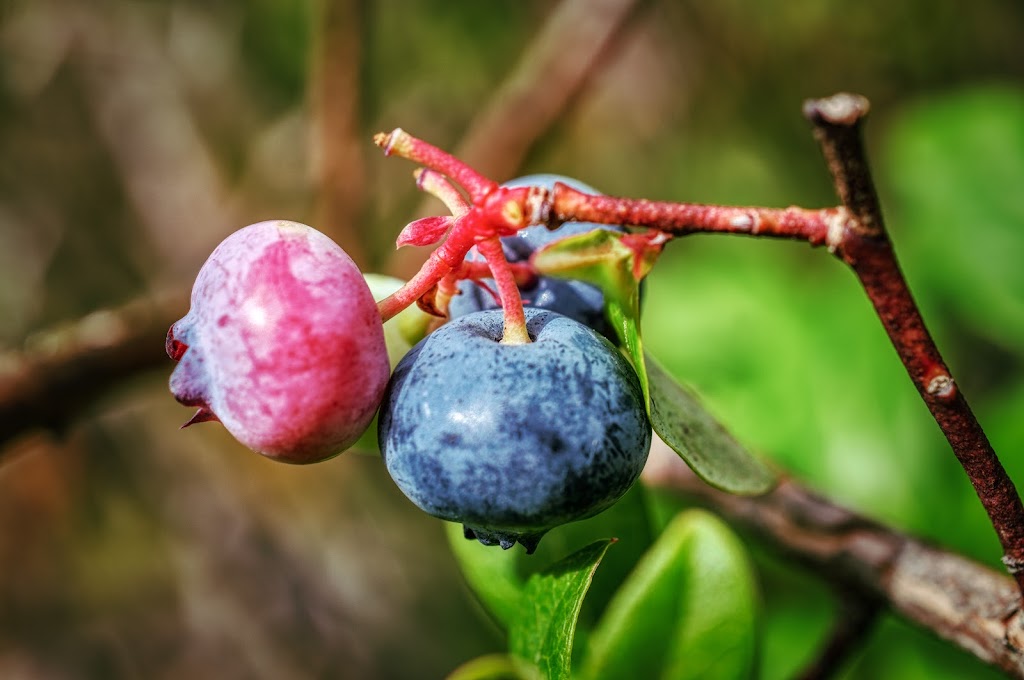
pixel 687 427
pixel 689 610
pixel 494 667
pixel 626 520
pixel 490 572
pixel 604 259
pixel 543 629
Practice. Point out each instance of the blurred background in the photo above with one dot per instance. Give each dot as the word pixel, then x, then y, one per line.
pixel 136 134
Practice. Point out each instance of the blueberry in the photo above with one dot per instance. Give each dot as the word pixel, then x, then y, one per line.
pixel 513 440
pixel 575 299
pixel 283 344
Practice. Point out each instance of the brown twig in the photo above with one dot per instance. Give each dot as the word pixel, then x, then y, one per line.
pixel 866 248
pixel 551 73
pixel 336 140
pixel 957 599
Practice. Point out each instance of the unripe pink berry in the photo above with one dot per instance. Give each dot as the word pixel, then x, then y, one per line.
pixel 283 344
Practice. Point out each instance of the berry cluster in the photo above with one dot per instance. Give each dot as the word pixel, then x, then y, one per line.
pixel 510 421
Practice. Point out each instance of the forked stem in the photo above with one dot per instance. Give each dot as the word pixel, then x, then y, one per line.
pixel 437 185
pixel 446 258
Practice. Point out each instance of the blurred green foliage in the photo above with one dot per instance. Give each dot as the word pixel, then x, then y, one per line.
pixel 129 547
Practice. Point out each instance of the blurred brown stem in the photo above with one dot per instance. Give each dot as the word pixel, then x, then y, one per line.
pixel 336 140
pixel 958 600
pixel 854 621
pixel 549 76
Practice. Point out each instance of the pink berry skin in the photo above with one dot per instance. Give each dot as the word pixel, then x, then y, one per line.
pixel 283 344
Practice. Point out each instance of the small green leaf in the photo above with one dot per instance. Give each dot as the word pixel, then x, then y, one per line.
pixel 628 520
pixel 543 630
pixel 688 610
pixel 686 426
pixel 616 263
pixel 494 667
pixel 491 574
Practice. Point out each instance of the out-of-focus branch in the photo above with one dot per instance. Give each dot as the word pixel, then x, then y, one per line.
pixel 143 118
pixel 551 73
pixel 336 139
pixel 958 600
pixel 60 373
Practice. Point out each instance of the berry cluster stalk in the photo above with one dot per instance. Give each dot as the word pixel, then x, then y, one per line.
pixel 854 233
pixel 481 228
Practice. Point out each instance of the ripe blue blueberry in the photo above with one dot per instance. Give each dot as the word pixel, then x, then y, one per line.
pixel 575 299
pixel 513 440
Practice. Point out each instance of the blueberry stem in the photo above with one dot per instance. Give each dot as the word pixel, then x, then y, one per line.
pixel 511 302
pixel 446 258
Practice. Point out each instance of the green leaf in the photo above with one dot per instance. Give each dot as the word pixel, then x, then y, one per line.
pixel 494 667
pixel 686 426
pixel 627 520
pixel 491 574
pixel 689 610
pixel 616 263
pixel 543 630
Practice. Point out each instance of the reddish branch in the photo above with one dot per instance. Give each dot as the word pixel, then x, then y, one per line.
pixel 868 251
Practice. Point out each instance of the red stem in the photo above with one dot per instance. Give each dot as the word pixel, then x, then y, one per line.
pixel 511 302
pixel 524 273
pixel 447 257
pixel 400 143
pixel 815 226
pixel 437 185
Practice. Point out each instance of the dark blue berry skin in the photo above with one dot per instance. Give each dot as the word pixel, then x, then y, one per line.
pixel 513 440
pixel 575 299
